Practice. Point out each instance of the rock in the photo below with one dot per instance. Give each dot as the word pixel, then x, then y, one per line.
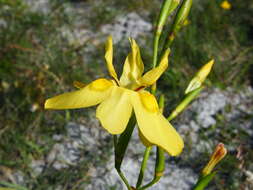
pixel 208 106
pixel 37 167
pixel 42 6
pixel 130 25
pixel 76 36
pixel 3 23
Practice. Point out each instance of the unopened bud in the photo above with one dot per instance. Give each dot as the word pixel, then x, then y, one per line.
pixel 218 154
pixel 182 15
pixel 200 77
pixel 179 21
pixel 167 8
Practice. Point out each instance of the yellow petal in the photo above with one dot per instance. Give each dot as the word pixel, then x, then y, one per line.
pixel 199 78
pixel 153 75
pixel 133 67
pixel 153 125
pixel 144 140
pixel 109 58
pixel 78 84
pixel 92 94
pixel 115 112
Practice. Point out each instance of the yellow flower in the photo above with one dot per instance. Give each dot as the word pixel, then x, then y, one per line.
pixel 117 99
pixel 225 5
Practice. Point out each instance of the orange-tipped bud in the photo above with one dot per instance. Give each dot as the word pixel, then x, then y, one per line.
pixel 218 154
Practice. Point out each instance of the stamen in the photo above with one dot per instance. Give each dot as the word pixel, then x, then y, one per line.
pixel 139 88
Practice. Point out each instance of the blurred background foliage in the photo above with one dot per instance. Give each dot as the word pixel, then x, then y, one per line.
pixel 36 63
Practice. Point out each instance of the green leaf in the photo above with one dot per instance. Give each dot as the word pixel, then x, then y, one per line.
pixel 123 141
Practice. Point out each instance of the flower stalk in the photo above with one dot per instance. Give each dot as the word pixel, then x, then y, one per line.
pixel 178 22
pixel 159 28
pixel 184 103
pixel 159 168
pixel 143 166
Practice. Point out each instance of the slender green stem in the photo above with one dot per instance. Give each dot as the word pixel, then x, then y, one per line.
pixel 160 162
pixel 123 178
pixel 155 49
pixel 115 139
pixel 143 166
pixel 203 181
pixel 185 102
pixel 154 181
pixel 159 168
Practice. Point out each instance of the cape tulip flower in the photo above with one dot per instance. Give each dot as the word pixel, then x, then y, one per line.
pixel 117 99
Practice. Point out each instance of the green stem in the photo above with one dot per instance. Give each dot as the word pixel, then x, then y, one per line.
pixel 154 181
pixel 143 166
pixel 184 103
pixel 123 178
pixel 203 181
pixel 160 165
pixel 155 49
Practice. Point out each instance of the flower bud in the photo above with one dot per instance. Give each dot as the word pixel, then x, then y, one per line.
pixel 179 21
pixel 218 154
pixel 182 15
pixel 167 8
pixel 200 77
